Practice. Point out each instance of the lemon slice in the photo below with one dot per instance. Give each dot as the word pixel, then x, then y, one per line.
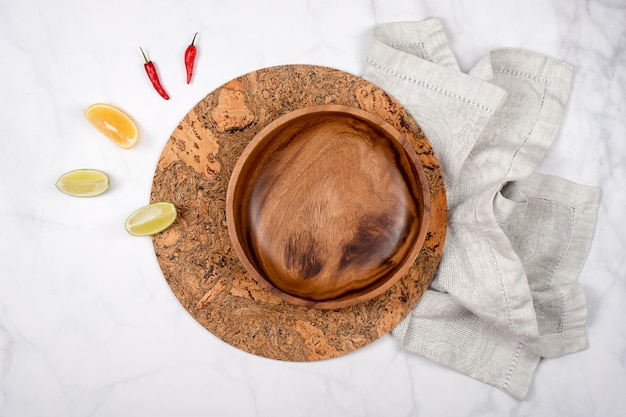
pixel 83 183
pixel 114 123
pixel 151 219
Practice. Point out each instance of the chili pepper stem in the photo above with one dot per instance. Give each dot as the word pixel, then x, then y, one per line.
pixel 194 39
pixel 144 55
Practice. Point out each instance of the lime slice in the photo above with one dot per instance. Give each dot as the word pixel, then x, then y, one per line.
pixel 151 219
pixel 83 183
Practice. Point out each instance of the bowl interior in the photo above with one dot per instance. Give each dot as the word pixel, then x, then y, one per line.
pixel 328 206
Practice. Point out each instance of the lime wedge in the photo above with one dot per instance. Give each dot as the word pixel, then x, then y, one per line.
pixel 83 183
pixel 151 219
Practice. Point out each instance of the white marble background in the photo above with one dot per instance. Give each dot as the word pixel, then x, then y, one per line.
pixel 88 326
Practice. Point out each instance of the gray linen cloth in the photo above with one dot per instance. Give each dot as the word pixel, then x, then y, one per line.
pixel 506 292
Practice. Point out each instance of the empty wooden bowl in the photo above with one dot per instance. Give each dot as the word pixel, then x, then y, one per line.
pixel 328 206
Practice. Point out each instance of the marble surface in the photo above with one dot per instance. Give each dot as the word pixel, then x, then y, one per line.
pixel 88 326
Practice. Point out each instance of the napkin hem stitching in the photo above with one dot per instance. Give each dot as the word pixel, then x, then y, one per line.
pixel 545 82
pixel 521 74
pixel 397 44
pixel 509 373
pixel 572 223
pixel 421 45
pixel 495 263
pixel 564 312
pixel 429 86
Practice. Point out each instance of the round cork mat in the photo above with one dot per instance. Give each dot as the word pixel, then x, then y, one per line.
pixel 196 255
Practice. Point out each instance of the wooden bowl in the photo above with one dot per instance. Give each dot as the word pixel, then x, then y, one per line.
pixel 328 206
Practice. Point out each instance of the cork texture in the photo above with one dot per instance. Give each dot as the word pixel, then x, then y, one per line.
pixel 196 254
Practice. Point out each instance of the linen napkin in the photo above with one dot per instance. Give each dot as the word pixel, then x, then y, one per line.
pixel 506 292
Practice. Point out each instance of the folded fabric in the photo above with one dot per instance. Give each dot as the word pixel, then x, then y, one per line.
pixel 506 292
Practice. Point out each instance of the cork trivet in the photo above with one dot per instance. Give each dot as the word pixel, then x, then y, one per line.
pixel 196 255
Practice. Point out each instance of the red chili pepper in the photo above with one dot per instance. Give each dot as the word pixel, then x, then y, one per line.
pixel 190 58
pixel 154 76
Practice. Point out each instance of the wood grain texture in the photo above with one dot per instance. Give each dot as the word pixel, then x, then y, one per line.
pixel 328 206
pixel 196 254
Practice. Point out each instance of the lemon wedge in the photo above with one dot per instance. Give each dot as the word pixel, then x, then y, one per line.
pixel 114 123
pixel 83 183
pixel 151 219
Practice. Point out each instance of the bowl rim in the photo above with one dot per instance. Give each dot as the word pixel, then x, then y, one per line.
pixel 344 300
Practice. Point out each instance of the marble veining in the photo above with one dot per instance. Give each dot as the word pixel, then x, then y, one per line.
pixel 88 325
